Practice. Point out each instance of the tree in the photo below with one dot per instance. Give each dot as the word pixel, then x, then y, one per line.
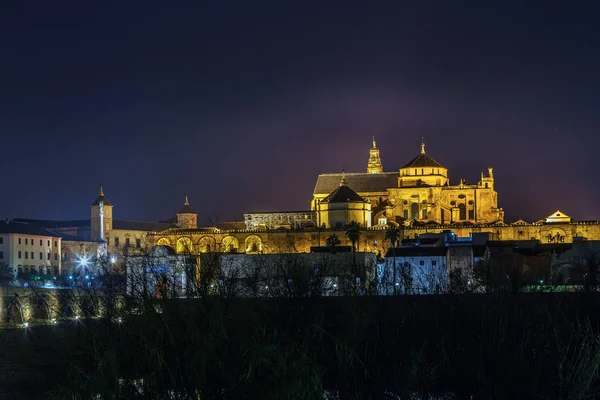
pixel 333 241
pixel 393 235
pixel 6 274
pixel 353 233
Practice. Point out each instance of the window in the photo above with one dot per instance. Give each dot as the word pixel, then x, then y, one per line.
pixel 1 240
pixel 55 243
pixel 415 171
pixel 434 262
pixel 26 255
pixel 41 255
pixel 19 240
pixel 48 243
pixel 422 171
pixel 32 255
pixel 48 256
pixel 41 242
pixel 421 262
pixel 26 241
pixel 116 242
pixel 126 242
pixel 19 254
pixel 138 242
pixel 108 241
pixel 462 212
pixel 471 214
pixel 1 255
pixel 55 256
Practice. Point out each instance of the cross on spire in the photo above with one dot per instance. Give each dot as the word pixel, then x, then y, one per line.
pixel 101 191
pixel 343 182
pixel 422 145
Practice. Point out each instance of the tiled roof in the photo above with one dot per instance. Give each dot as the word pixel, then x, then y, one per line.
pixel 343 194
pixel 51 224
pixel 360 182
pixel 104 201
pixel 24 229
pixel 186 209
pixel 423 160
pixel 142 226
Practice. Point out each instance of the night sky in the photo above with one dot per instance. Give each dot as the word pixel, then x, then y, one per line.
pixel 241 106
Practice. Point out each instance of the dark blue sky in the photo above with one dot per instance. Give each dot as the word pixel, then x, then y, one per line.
pixel 241 106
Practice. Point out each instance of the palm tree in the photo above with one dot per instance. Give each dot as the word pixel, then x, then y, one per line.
pixel 6 274
pixel 393 235
pixel 332 241
pixel 353 229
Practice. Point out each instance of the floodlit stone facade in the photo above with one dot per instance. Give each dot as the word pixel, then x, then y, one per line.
pixel 419 191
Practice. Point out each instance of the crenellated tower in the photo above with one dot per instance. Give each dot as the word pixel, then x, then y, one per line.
pixel 374 166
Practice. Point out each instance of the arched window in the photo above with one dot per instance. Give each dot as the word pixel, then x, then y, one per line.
pixel 253 244
pixel 184 245
pixel 163 242
pixel 229 244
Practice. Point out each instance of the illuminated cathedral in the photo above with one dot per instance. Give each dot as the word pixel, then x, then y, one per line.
pixel 420 191
pixel 417 198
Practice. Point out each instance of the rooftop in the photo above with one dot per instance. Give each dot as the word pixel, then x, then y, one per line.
pixel 20 228
pixel 359 182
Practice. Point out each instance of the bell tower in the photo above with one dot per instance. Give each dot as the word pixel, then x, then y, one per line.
pixel 374 166
pixel 186 217
pixel 101 217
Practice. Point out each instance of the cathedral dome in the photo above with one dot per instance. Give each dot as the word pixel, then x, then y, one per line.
pixel 423 171
pixel 342 206
pixel 422 161
pixel 343 194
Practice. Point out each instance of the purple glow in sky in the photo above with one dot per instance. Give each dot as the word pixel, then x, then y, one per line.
pixel 241 107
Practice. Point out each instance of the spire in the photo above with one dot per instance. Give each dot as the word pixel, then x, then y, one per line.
pixel 343 182
pixel 186 209
pixel 101 191
pixel 374 165
pixel 422 145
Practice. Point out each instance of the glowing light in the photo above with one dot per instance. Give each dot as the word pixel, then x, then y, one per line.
pixel 83 261
pixel 71 277
pixel 335 285
pixel 26 324
pixel 113 259
pixel 87 277
pixel 77 317
pixel 119 320
pixel 53 320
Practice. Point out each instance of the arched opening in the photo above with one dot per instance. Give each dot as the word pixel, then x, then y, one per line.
pixel 163 242
pixel 184 245
pixel 206 244
pixel 229 244
pixel 253 244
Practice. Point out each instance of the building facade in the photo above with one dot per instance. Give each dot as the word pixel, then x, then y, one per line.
pixel 28 248
pixel 420 190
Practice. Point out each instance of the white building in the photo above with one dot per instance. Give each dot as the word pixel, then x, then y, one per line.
pixel 28 248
